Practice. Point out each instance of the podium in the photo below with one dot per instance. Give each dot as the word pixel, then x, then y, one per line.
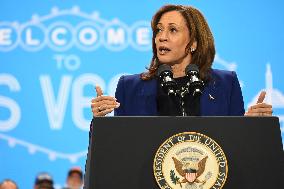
pixel 122 150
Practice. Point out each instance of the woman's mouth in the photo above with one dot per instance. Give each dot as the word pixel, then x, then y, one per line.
pixel 163 50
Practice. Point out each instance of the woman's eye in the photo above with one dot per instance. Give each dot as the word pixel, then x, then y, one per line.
pixel 173 30
pixel 158 30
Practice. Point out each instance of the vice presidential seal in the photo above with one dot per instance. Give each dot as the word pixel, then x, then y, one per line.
pixel 190 160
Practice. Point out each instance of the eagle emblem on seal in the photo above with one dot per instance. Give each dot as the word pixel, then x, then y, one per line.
pixel 190 172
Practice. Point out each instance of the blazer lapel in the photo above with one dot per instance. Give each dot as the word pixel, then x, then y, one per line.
pixel 210 102
pixel 147 97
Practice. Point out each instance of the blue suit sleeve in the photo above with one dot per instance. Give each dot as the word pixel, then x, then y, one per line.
pixel 236 99
pixel 119 95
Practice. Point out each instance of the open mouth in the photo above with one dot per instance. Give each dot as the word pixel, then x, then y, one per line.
pixel 164 50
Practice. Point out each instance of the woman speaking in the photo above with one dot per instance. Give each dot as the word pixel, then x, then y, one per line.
pixel 181 39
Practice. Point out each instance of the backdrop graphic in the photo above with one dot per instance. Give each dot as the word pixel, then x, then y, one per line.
pixel 53 53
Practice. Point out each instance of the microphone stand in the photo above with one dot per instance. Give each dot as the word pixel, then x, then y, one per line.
pixel 181 94
pixel 182 107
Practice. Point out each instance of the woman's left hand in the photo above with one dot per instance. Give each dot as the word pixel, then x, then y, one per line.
pixel 260 108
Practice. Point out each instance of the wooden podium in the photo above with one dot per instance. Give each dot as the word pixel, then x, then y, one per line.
pixel 122 150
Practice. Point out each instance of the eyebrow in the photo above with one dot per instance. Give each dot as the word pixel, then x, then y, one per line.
pixel 169 23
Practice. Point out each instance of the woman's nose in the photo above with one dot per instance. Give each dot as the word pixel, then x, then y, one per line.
pixel 163 36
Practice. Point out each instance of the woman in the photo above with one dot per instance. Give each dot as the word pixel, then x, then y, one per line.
pixel 181 36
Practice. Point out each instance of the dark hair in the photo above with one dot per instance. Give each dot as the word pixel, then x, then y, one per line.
pixel 75 170
pixel 199 31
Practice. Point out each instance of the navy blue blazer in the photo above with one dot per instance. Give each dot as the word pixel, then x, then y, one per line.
pixel 138 97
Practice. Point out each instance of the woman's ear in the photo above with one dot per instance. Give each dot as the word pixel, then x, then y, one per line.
pixel 193 47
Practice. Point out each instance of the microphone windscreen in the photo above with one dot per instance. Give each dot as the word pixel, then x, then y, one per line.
pixel 191 67
pixel 162 68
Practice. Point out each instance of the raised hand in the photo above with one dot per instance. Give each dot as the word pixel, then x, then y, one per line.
pixel 102 105
pixel 260 108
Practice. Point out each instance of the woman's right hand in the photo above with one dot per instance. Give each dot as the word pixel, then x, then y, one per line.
pixel 102 105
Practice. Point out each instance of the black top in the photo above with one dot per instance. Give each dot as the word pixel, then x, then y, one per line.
pixel 170 105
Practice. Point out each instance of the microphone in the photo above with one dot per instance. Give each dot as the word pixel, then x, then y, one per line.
pixel 195 83
pixel 167 81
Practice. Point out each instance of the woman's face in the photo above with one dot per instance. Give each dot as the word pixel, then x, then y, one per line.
pixel 172 38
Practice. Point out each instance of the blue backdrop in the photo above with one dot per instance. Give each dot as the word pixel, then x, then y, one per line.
pixel 53 53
